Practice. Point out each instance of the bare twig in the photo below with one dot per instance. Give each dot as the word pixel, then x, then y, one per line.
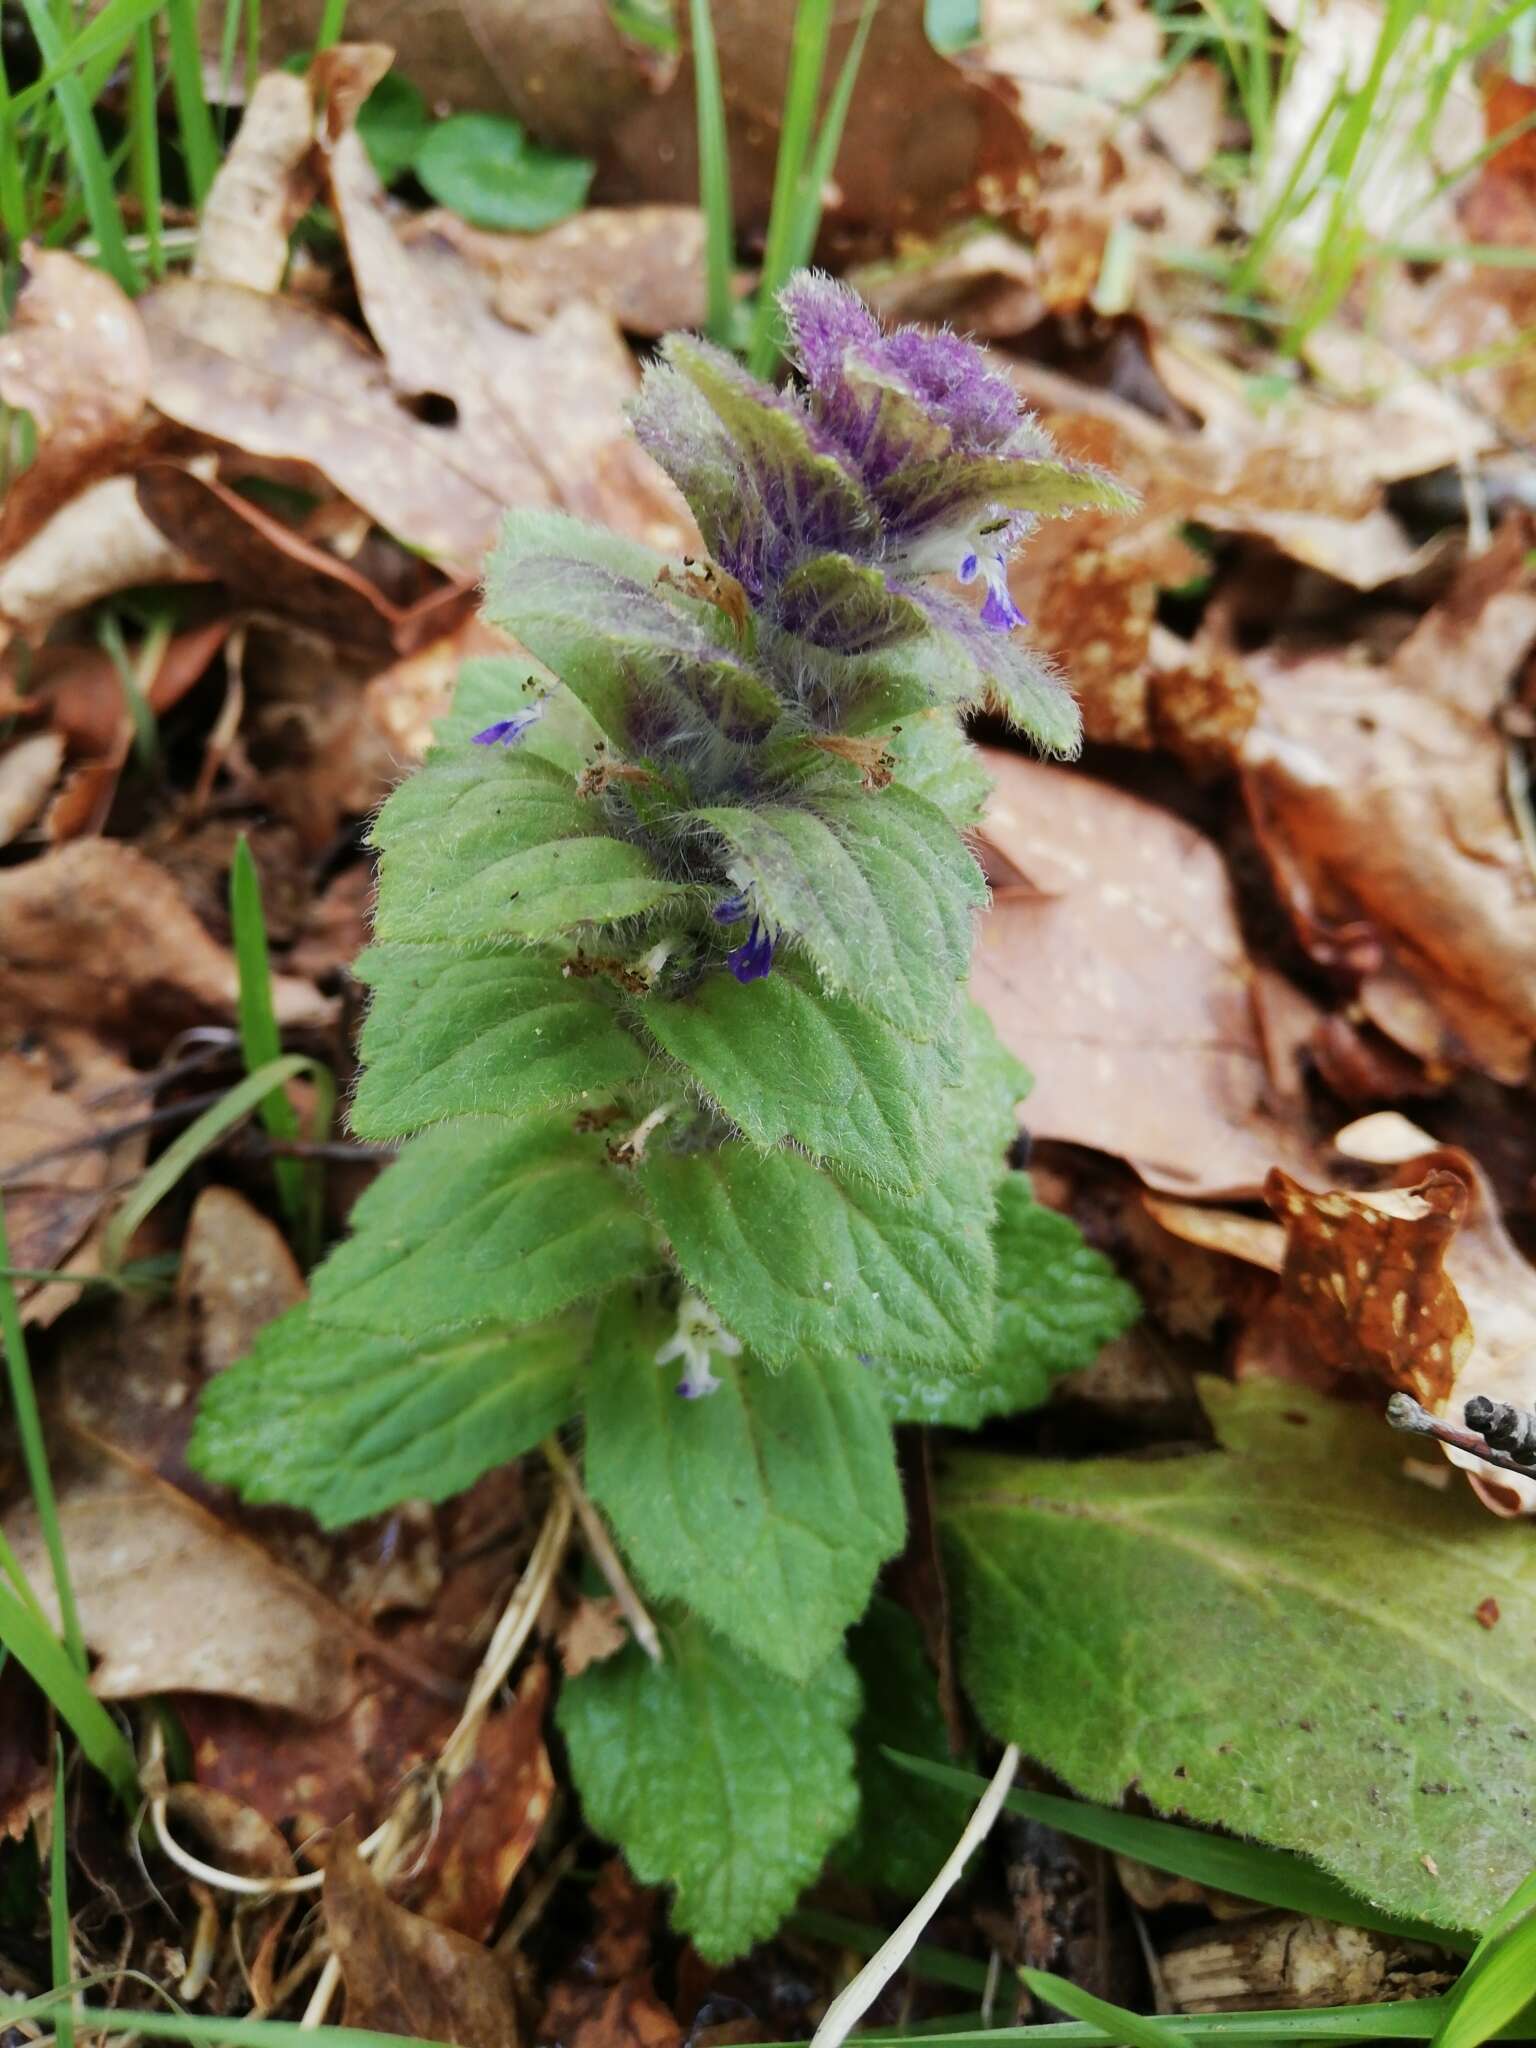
pixel 1404 1413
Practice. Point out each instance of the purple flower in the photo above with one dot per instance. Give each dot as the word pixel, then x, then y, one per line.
pixel 999 611
pixel 753 959
pixel 730 910
pixel 506 732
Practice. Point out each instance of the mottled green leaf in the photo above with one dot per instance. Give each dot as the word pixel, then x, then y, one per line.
pixel 494 686
pixel 767 1506
pixel 834 601
pixel 934 758
pixel 347 1423
pixel 1279 1637
pixel 485 845
pixel 497 1034
pixel 906 1826
pixel 491 1221
pixel 1058 1304
pixel 879 891
pixel 715 1775
pixel 785 1058
pixel 969 488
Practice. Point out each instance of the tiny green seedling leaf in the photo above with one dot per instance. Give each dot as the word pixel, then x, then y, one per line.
pixel 484 167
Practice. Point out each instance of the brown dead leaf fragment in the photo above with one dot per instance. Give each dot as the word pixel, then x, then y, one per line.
pixel 643 265
pixel 1112 964
pixel 593 1631
pixel 28 771
pixel 76 358
pixel 50 1205
pixel 101 931
pixel 1364 1281
pixel 1378 793
pixel 1486 1612
pixel 98 543
pixel 236 1274
pixel 611 2000
pixel 171 1600
pixel 405 1975
pixel 491 1816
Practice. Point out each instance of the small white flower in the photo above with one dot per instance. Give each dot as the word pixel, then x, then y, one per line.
pixel 699 1334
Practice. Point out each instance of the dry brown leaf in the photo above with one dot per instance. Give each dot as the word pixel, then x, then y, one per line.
pixel 263 186
pixel 982 279
pixel 1378 794
pixel 278 380
pixel 236 1274
pixel 28 771
pixel 1364 1283
pixel 611 2001
pixel 1114 967
pixel 77 360
pixel 491 1816
pixel 98 543
pixel 593 1631
pixel 642 265
pixel 101 931
pixel 404 1974
pixel 50 1204
pixel 264 563
pixel 171 1600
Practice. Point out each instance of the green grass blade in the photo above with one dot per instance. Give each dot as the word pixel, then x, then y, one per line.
pixel 15 214
pixel 199 144
pixel 714 176
pixel 206 2030
pixel 298 1185
pixel 188 1148
pixel 1412 2020
pixel 46 1662
pixel 10 1564
pixel 1500 1979
pixel 1133 2029
pixel 1273 1877
pixel 807 222
pixel 59 1946
pixel 331 24
pixel 807 61
pixel 94 51
pixel 146 734
pixel 34 1453
pixel 144 149
pixel 86 154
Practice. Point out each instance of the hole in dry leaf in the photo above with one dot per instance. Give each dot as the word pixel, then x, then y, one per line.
pixel 433 409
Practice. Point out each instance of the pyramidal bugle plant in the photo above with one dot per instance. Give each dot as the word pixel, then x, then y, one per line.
pixel 705 1145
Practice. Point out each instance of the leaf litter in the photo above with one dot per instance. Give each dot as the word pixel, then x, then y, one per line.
pixel 1290 884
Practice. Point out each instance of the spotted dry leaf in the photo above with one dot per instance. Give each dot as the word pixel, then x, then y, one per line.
pixel 1364 1283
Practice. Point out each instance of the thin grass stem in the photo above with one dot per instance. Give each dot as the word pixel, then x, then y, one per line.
pixel 807 61
pixel 714 176
pixel 199 144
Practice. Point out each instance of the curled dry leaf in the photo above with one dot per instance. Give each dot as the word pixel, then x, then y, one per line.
pixel 101 931
pixel 404 1974
pixel 1378 795
pixel 491 1816
pixel 77 360
pixel 611 2000
pixel 98 543
pixel 262 562
pixel 1364 1284
pixel 593 1631
pixel 171 1600
pixel 263 186
pixel 1112 964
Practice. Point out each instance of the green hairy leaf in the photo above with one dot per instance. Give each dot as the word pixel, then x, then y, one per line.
pixel 715 1775
pixel 496 1034
pixel 486 1222
pixel 1058 1304
pixel 1278 1637
pixel 484 846
pixel 767 1508
pixel 347 1423
pixel 786 1059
